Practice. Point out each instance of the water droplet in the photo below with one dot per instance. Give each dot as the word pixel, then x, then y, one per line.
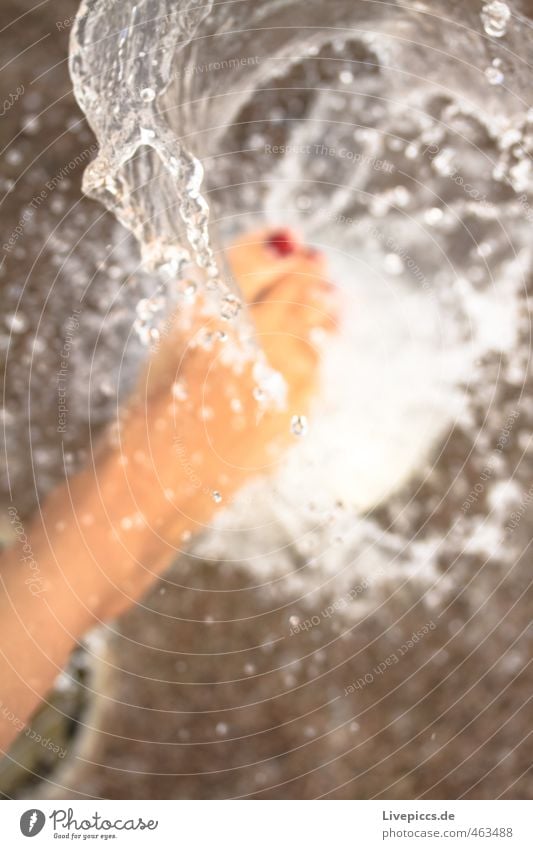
pixel 294 621
pixel 346 77
pixel 494 74
pixel 249 668
pixel 57 205
pixel 106 388
pixel 216 496
pixel 433 216
pixel 144 325
pixel 231 307
pixel 299 425
pixel 221 729
pixel 147 333
pixel 189 289
pixel 303 202
pixel 147 95
pixel 443 162
pixel 146 307
pixel 32 126
pixel 178 391
pixel 205 340
pixel 393 264
pixel 13 156
pixel 495 17
pixel 17 322
pixel 270 385
pixel 485 249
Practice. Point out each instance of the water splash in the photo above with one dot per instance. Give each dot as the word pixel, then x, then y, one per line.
pixel 410 165
pixel 122 61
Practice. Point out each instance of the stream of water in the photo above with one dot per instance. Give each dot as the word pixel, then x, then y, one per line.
pixel 397 139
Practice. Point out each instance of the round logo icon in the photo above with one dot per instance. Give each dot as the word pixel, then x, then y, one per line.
pixel 32 822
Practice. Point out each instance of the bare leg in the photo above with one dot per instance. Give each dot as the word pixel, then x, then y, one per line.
pixel 193 434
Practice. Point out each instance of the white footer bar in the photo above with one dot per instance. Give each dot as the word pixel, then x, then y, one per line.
pixel 268 824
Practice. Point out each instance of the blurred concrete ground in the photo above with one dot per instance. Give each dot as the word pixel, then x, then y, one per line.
pixel 203 693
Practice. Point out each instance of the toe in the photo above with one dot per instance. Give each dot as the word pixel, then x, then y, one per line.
pixel 259 260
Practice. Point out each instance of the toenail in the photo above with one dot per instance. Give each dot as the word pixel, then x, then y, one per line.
pixel 282 242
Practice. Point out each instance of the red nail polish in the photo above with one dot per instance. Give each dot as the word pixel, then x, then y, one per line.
pixel 282 243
